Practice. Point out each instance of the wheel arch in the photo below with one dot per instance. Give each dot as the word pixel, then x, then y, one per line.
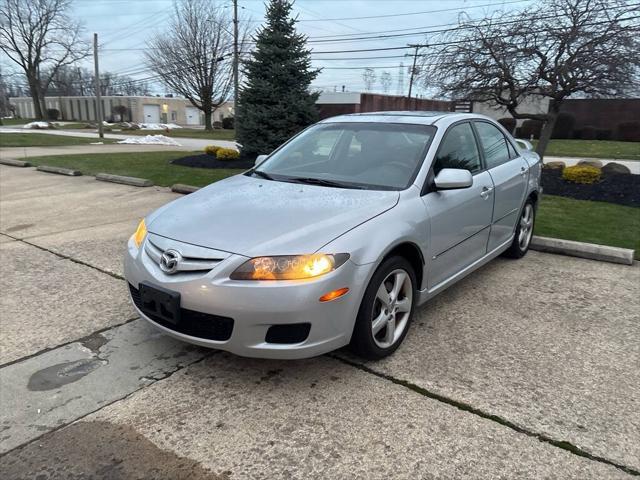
pixel 412 253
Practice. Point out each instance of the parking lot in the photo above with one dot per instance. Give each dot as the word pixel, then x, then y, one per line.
pixel 525 369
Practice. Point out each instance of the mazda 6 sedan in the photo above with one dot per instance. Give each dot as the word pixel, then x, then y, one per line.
pixel 337 236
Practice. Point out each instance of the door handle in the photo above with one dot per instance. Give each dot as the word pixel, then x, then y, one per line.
pixel 523 171
pixel 486 191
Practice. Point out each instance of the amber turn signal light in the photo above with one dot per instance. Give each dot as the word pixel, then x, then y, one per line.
pixel 327 297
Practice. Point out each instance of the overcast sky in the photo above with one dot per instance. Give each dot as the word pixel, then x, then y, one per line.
pixel 125 25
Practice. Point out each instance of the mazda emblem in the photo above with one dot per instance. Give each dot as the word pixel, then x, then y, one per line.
pixel 170 261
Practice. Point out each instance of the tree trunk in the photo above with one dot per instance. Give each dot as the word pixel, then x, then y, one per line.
pixel 547 129
pixel 34 90
pixel 207 119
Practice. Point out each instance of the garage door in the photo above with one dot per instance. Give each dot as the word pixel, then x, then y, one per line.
pixel 193 116
pixel 151 113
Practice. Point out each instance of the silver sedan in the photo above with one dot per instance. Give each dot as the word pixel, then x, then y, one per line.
pixel 337 236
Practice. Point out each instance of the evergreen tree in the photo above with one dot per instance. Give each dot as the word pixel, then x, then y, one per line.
pixel 275 101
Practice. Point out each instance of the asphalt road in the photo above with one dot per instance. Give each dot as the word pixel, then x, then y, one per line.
pixel 526 369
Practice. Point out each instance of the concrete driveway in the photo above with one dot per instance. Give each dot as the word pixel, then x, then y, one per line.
pixel 526 369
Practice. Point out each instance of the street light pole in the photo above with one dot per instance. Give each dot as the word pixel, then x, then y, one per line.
pixel 97 75
pixel 236 61
pixel 413 68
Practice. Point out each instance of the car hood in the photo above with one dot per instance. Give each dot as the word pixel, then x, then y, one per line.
pixel 253 217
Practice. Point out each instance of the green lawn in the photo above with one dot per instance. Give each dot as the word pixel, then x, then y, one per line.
pixel 592 222
pixel 152 165
pixel 8 122
pixel 44 140
pixel 594 149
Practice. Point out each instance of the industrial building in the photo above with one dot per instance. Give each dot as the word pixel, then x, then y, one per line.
pixel 138 109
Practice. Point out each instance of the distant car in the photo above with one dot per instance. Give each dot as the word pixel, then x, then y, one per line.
pixel 336 236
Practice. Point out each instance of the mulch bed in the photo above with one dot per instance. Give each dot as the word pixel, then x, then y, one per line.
pixel 620 188
pixel 209 161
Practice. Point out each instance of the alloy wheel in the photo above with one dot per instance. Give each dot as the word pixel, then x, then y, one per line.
pixel 392 308
pixel 526 227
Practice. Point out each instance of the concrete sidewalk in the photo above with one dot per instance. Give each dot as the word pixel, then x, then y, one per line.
pixel 527 369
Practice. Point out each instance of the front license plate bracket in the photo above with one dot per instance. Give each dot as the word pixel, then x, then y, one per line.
pixel 160 302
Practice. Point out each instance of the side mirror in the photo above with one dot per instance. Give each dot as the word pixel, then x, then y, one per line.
pixel 260 159
pixel 524 144
pixel 453 178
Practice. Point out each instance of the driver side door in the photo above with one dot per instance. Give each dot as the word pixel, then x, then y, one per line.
pixel 460 219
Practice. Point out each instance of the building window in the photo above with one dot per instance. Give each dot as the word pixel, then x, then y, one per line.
pixel 174 115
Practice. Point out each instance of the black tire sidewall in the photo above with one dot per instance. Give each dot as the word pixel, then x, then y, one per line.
pixel 515 251
pixel 362 341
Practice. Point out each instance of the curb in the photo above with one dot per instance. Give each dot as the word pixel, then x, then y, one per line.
pixel 14 163
pixel 133 181
pixel 590 251
pixel 182 188
pixel 59 170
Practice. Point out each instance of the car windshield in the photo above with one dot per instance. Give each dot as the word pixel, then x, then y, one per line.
pixel 351 155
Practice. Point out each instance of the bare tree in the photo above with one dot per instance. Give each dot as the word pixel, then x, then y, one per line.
pixel 551 51
pixel 385 81
pixel 41 38
pixel 194 56
pixel 369 78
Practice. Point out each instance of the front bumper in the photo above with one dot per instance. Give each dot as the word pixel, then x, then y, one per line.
pixel 255 306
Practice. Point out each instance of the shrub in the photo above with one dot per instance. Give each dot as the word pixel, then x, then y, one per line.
pixel 564 126
pixel 582 174
pixel 212 149
pixel 518 132
pixel 531 128
pixel 508 123
pixel 227 154
pixel 603 134
pixel 217 125
pixel 588 133
pixel 228 123
pixel 53 113
pixel 629 131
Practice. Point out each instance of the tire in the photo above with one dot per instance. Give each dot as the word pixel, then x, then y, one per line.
pixel 524 231
pixel 376 314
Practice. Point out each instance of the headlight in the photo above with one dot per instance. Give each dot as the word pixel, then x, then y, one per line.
pixel 289 267
pixel 141 232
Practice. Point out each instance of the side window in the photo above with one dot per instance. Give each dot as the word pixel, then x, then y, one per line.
pixel 458 150
pixel 494 145
pixel 513 153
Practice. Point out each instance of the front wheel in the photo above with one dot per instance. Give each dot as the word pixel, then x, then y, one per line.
pixel 524 232
pixel 386 310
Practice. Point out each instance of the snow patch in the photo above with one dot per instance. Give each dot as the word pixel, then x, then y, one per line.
pixel 151 140
pixel 37 125
pixel 158 126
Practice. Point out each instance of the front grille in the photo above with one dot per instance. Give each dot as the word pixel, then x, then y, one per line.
pixel 192 323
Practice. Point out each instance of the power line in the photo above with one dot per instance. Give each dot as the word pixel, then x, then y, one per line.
pixel 414 13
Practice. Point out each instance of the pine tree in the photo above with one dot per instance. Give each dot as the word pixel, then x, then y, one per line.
pixel 275 101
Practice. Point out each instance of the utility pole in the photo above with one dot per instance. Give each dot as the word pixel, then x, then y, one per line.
pixel 236 62
pixel 413 68
pixel 97 75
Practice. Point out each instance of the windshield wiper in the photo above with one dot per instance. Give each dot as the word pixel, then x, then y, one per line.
pixel 322 181
pixel 258 173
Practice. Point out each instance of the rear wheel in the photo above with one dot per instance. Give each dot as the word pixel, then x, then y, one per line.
pixel 524 231
pixel 386 310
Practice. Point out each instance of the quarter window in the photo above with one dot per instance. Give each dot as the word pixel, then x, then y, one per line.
pixel 458 150
pixel 494 145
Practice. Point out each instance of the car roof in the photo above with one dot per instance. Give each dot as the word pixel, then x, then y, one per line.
pixel 416 117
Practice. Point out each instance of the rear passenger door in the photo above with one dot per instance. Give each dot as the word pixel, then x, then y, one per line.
pixel 509 173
